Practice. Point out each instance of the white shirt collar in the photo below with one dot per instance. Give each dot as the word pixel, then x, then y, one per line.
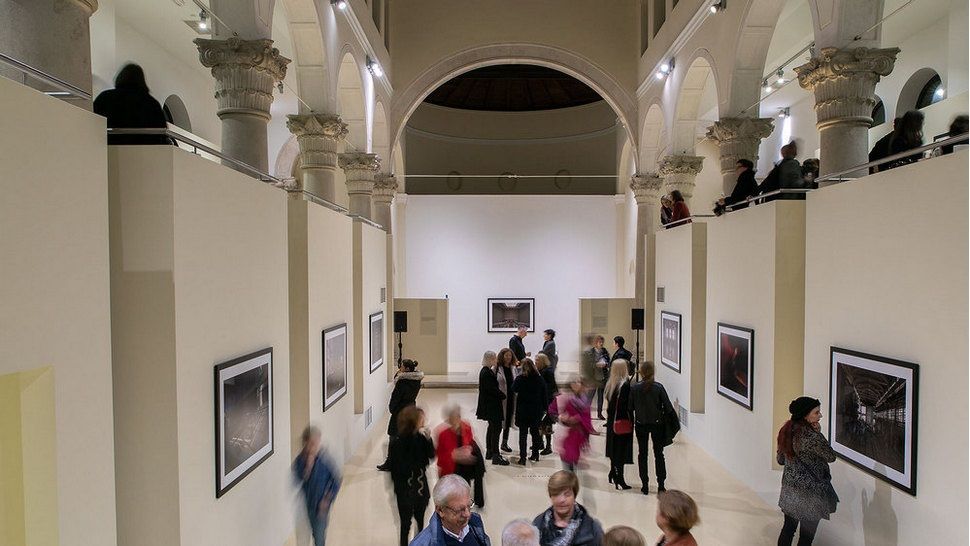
pixel 461 536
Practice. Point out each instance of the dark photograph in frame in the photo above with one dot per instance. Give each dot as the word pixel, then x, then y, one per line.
pixel 508 314
pixel 243 416
pixel 376 333
pixel 873 403
pixel 334 364
pixel 670 340
pixel 735 364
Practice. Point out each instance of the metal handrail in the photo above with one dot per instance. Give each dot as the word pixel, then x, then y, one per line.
pixel 70 89
pixel 838 176
pixel 785 191
pixel 687 220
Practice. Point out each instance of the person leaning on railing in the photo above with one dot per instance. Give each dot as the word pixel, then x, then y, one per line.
pixel 130 106
pixel 786 175
pixel 745 187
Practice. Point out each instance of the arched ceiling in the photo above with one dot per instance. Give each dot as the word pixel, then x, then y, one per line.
pixel 512 88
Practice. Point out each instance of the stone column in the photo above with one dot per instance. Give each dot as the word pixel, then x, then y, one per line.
pixel 318 135
pixel 51 35
pixel 646 192
pixel 385 186
pixel 738 138
pixel 246 73
pixel 679 173
pixel 360 170
pixel 844 82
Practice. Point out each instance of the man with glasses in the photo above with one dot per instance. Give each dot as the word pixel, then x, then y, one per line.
pixel 453 522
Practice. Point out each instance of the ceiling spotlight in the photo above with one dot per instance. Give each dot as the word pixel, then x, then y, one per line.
pixel 339 4
pixel 766 86
pixel 784 112
pixel 940 92
pixel 374 68
pixel 665 69
pixel 781 77
pixel 203 20
pixel 718 5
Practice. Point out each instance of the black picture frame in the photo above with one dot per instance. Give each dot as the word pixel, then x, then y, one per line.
pixel 672 342
pixel 734 383
pixel 331 339
pixel 495 325
pixel 858 439
pixel 244 454
pixel 375 331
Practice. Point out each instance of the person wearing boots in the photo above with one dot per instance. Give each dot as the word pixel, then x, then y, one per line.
pixel 505 372
pixel 648 405
pixel 407 383
pixel 530 390
pixel 490 402
pixel 619 427
pixel 548 374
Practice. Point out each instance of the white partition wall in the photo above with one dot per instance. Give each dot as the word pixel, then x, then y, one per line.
pixel 199 277
pixel 371 387
pixel 427 337
pixel 57 475
pixel 886 274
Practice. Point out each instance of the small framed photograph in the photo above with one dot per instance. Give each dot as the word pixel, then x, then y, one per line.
pixel 508 314
pixel 873 402
pixel 735 364
pixel 376 341
pixel 670 344
pixel 244 416
pixel 334 364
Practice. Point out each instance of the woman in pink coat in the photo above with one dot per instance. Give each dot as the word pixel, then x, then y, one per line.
pixel 574 415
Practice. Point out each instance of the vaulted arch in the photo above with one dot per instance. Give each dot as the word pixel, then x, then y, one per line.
pixel 352 102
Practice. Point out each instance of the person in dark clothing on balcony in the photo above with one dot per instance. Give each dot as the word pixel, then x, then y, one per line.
pixel 745 188
pixel 130 106
pixel 787 175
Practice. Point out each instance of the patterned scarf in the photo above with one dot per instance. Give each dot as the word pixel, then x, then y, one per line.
pixel 568 533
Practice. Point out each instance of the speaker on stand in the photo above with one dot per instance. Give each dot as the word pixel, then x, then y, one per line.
pixel 400 326
pixel 636 324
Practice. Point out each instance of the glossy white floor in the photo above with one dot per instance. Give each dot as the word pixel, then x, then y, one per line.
pixel 365 513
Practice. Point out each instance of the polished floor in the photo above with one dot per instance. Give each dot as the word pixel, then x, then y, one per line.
pixel 365 513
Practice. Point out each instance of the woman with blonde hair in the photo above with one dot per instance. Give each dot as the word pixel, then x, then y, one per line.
pixel 676 515
pixel 621 535
pixel 619 427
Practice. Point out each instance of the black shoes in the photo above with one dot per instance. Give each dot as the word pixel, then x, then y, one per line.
pixel 645 490
pixel 660 487
pixel 521 461
pixel 623 486
pixel 534 457
pixel 384 467
pixel 500 461
pixel 546 451
pixel 506 448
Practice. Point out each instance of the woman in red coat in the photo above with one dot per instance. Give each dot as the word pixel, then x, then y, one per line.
pixel 457 452
pixel 681 212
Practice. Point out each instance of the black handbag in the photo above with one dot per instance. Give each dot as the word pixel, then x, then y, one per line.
pixel 669 421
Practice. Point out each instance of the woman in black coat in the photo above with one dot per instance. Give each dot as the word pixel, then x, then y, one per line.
pixel 407 383
pixel 490 407
pixel 408 457
pixel 745 187
pixel 130 106
pixel 619 447
pixel 530 407
pixel 548 375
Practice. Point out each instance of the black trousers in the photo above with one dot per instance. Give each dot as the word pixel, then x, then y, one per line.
pixel 599 401
pixel 536 439
pixel 805 536
pixel 408 509
pixel 492 434
pixel 654 434
pixel 509 417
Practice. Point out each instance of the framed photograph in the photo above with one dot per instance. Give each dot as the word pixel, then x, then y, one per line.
pixel 376 341
pixel 508 314
pixel 873 403
pixel 670 345
pixel 244 416
pixel 735 364
pixel 334 364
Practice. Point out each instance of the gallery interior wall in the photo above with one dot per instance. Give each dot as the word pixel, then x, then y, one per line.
pixel 608 317
pixel 55 294
pixel 555 249
pixel 199 269
pixel 869 244
pixel 369 277
pixel 427 337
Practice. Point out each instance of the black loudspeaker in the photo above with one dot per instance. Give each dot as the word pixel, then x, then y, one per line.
pixel 401 321
pixel 636 319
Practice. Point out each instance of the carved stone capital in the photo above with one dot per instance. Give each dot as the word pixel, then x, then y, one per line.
pixel 319 136
pixel 844 82
pixel 361 170
pixel 385 187
pixel 680 164
pixel 646 188
pixel 246 72
pixel 730 130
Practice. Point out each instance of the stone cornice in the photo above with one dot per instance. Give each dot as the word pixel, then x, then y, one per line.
pixel 680 164
pixel 356 161
pixel 727 130
pixel 832 63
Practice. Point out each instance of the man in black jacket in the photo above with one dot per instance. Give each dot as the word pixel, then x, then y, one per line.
pixel 516 344
pixel 786 175
pixel 489 409
pixel 745 187
pixel 648 406
pixel 622 353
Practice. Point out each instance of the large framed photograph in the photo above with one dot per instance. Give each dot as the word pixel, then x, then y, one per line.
pixel 376 341
pixel 735 364
pixel 873 403
pixel 670 344
pixel 243 416
pixel 508 314
pixel 334 364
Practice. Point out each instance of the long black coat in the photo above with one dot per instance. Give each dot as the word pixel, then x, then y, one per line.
pixel 745 187
pixel 518 347
pixel 530 405
pixel 619 447
pixel 409 456
pixel 405 393
pixel 490 397
pixel 131 108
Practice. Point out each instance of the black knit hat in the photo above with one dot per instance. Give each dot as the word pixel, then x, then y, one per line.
pixel 801 406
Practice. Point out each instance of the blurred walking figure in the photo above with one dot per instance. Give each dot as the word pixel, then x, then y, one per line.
pixel 520 532
pixel 566 522
pixel 491 400
pixel 506 373
pixel 453 521
pixel 574 415
pixel 549 378
pixel 530 392
pixel 319 482
pixel 621 535
pixel 458 453
pixel 408 457
pixel 676 515
pixel 407 384
pixel 130 106
pixel 619 426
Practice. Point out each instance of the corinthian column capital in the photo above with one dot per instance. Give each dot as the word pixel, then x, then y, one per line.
pixel 646 188
pixel 361 170
pixel 731 130
pixel 844 82
pixel 385 187
pixel 246 72
pixel 680 164
pixel 319 136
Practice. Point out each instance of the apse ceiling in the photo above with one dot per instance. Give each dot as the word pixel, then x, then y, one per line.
pixel 512 88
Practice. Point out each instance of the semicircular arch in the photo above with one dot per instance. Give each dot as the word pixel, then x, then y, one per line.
pixel 352 101
pixel 696 105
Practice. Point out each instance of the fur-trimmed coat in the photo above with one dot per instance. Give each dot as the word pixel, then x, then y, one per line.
pixel 405 393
